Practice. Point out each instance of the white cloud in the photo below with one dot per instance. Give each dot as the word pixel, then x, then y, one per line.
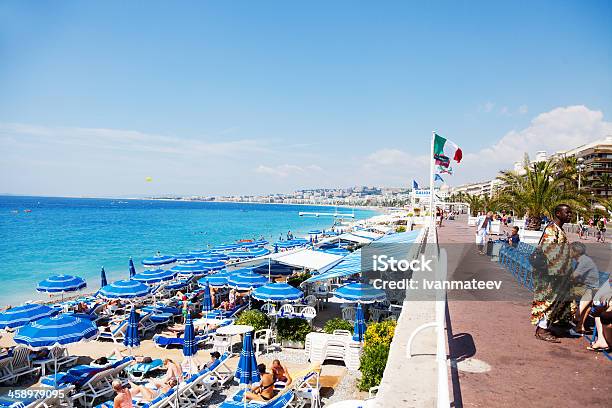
pixel 523 109
pixel 285 170
pixel 559 129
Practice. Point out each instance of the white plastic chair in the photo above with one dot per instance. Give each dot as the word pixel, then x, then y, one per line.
pixel 261 339
pixel 309 313
pixel 285 310
pixel 312 300
pixel 269 309
pixel 348 314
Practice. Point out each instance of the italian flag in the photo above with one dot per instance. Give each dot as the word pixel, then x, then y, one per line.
pixel 444 150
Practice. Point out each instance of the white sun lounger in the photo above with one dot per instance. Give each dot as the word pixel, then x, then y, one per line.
pixel 18 366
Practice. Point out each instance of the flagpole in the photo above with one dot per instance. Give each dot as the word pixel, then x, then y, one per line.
pixel 431 179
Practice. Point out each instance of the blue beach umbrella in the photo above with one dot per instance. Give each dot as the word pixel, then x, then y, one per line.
pixel 216 280
pixel 184 258
pixel 218 256
pixel 158 260
pixel 246 372
pixel 246 279
pixel 277 292
pixel 274 269
pixel 131 334
pixel 132 268
pixel 192 268
pixel 225 247
pixel 155 276
pixel 21 315
pixel 103 281
pixel 248 245
pixel 257 252
pixel 315 232
pixel 360 325
pixel 200 253
pixel 190 348
pixel 275 248
pixel 206 299
pixel 360 293
pixel 124 289
pixel 55 331
pixel 61 283
pixel 240 254
pixel 336 251
pixel 212 264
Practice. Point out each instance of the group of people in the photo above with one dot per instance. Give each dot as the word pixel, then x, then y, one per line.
pixel 567 287
pixel 599 225
pixel 265 389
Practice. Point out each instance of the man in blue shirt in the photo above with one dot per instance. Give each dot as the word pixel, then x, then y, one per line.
pixel 514 239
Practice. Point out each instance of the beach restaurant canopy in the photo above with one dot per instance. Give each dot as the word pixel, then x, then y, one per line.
pixel 307 259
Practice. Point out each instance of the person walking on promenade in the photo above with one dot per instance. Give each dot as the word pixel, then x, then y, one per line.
pixel 552 264
pixel 601 230
pixel 483 229
pixel 581 228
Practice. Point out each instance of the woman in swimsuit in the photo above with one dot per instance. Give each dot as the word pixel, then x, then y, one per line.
pixel 124 396
pixel 280 373
pixel 151 392
pixel 264 391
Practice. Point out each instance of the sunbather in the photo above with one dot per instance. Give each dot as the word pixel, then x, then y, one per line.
pixel 264 391
pixel 280 373
pixel 123 399
pixel 173 371
pixel 151 390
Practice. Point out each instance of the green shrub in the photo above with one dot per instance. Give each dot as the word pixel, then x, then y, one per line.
pixel 373 362
pixel 296 280
pixel 377 341
pixel 292 329
pixel 254 318
pixel 401 228
pixel 337 324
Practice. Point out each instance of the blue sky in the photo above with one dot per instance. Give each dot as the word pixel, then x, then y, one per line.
pixel 253 97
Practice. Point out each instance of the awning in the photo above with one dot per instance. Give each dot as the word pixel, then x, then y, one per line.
pixel 367 234
pixel 354 238
pixel 309 259
pixel 351 264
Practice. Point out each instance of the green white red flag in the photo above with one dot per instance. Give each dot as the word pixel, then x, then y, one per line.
pixel 445 151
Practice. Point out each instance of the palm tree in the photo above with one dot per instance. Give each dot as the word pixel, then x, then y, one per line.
pixel 475 203
pixel 604 181
pixel 538 190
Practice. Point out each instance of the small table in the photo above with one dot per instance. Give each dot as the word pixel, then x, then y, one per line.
pixel 233 330
pixel 210 382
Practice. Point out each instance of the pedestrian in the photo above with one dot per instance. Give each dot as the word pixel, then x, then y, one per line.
pixel 483 229
pixel 551 306
pixel 601 231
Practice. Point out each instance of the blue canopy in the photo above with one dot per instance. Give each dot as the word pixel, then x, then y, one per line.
pixel 315 232
pixel 190 348
pixel 349 265
pixel 103 281
pixel 192 268
pixel 246 279
pixel 212 264
pixel 131 338
pixel 246 372
pixel 360 325
pixel 54 331
pixel 360 293
pixel 216 280
pixel 277 292
pixel 336 251
pixel 155 276
pixel 185 258
pixel 275 269
pixel 22 315
pixel 61 283
pixel 158 260
pixel 124 289
pixel 132 268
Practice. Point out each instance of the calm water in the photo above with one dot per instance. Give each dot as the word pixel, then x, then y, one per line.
pixel 79 236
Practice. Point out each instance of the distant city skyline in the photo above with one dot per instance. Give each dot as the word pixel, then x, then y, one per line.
pixel 107 99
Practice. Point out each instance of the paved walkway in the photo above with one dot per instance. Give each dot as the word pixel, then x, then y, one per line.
pixel 500 363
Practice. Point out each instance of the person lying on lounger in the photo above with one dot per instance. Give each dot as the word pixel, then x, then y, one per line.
pixel 280 373
pixel 264 391
pixel 151 390
pixel 173 371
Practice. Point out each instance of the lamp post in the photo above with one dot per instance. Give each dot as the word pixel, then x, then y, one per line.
pixel 579 168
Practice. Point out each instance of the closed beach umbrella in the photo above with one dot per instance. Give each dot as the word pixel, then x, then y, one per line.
pixel 21 315
pixel 360 326
pixel 158 260
pixel 190 348
pixel 246 372
pixel 56 331
pixel 124 289
pixel 246 279
pixel 277 292
pixel 132 268
pixel 131 338
pixel 61 284
pixel 155 276
pixel 103 281
pixel 360 293
pixel 206 299
pixel 216 280
pixel 192 268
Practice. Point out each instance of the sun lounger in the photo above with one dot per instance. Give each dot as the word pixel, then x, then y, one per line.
pixel 101 383
pixel 137 372
pixel 116 334
pixel 18 365
pixel 280 401
pixel 165 342
pixel 167 399
pixel 146 324
pixel 58 357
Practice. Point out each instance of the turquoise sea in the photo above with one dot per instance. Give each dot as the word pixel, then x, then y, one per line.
pixel 80 235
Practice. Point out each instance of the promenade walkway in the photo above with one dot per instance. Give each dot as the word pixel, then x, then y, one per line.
pixel 499 361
